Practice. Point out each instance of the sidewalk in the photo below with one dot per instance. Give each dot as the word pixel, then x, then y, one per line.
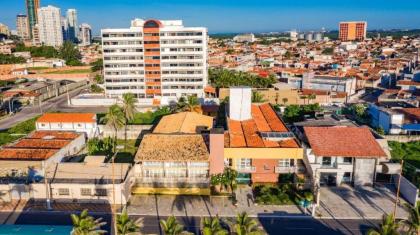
pixel 166 205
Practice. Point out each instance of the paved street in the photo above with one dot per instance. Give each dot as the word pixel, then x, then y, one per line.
pixel 367 202
pixel 55 104
pixel 165 205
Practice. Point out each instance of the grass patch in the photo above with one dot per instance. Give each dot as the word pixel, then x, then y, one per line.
pixel 75 71
pixel 38 68
pixel 410 152
pixel 17 131
pixel 146 118
pixel 284 194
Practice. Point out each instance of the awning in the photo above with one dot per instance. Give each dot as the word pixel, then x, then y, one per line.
pixel 391 168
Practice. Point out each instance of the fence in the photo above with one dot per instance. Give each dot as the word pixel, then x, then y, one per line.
pixel 407 189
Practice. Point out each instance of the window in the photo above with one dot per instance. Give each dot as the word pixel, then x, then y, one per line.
pixel 284 162
pixel 348 160
pixel 100 192
pixel 85 191
pixel 244 163
pixel 326 161
pixel 63 191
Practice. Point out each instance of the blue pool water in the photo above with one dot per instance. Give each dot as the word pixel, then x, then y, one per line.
pixel 34 230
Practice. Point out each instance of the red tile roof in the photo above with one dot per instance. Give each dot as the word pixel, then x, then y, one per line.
pixel 247 133
pixel 343 141
pixel 64 135
pixel 26 154
pixel 68 117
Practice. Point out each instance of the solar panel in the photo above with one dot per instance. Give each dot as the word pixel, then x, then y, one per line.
pixel 276 135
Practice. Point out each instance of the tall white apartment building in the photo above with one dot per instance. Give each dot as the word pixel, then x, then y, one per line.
pixel 49 26
pixel 72 25
pixel 158 61
pixel 85 34
pixel 22 26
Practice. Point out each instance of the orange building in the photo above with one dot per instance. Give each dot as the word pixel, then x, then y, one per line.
pixel 352 31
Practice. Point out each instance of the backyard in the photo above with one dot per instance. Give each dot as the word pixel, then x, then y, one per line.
pixel 410 152
pixel 145 118
pixel 104 146
pixel 17 131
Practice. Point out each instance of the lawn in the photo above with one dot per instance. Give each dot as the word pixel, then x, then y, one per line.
pixel 98 147
pixel 284 194
pixel 17 131
pixel 37 68
pixel 74 71
pixel 127 154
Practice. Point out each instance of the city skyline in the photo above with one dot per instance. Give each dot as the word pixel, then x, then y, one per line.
pixel 246 17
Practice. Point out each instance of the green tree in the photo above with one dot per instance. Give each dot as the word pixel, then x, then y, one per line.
pixel 311 97
pixel 211 226
pixel 11 59
pixel 114 119
pixel 126 226
pixel 328 51
pixel 387 227
pixel 84 224
pixel 244 225
pixel 231 176
pixel 413 220
pixel 69 52
pixel 99 79
pixel 292 113
pixel 97 65
pixel 129 109
pixel 285 100
pixel 257 97
pixel 171 226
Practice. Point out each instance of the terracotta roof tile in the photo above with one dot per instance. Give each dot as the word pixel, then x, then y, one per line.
pixel 68 117
pixel 343 141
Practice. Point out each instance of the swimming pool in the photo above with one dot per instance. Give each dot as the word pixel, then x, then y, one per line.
pixel 34 230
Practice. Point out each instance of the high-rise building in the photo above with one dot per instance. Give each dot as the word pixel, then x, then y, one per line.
pixel 4 29
pixel 49 23
pixel 85 34
pixel 157 61
pixel 32 13
pixel 353 31
pixel 72 25
pixel 65 28
pixel 22 26
pixel 35 35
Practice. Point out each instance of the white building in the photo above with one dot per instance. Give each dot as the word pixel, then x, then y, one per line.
pixel 158 61
pixel 80 122
pixel 72 25
pixel 85 34
pixel 294 35
pixel 49 25
pixel 244 38
pixel 351 155
pixel 22 26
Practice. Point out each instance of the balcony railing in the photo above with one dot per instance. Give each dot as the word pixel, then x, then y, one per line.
pixel 249 169
pixel 285 169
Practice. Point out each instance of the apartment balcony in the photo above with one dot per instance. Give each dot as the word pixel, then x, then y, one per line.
pixel 250 169
pixel 180 182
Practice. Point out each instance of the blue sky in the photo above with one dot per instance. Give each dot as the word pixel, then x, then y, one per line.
pixel 235 15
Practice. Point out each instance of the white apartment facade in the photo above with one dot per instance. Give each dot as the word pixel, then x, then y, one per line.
pixel 22 26
pixel 49 26
pixel 157 61
pixel 85 34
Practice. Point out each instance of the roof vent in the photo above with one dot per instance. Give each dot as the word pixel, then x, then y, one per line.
pixel 48 137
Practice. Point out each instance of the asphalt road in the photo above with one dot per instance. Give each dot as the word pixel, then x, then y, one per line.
pixel 55 104
pixel 287 226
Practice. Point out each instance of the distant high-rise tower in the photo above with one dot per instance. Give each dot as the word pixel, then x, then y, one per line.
pixel 32 14
pixel 65 28
pixel 22 26
pixel 85 34
pixel 49 23
pixel 352 31
pixel 72 25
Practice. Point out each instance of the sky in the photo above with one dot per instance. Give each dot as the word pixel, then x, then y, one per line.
pixel 223 16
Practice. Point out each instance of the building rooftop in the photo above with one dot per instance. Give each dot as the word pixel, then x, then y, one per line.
pixel 343 141
pixel 184 122
pixel 170 147
pixel 87 173
pixel 248 133
pixel 68 117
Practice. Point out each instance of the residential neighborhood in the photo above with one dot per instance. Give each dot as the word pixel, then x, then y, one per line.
pixel 162 125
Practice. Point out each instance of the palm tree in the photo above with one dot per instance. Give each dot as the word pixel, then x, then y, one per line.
pixel 211 226
pixel 304 97
pixel 129 109
pixel 193 105
pixel 285 101
pixel 84 224
pixel 244 225
pixel 126 226
pixel 114 119
pixel 257 97
pixel 413 219
pixel 388 227
pixel 311 97
pixel 171 226
pixel 230 175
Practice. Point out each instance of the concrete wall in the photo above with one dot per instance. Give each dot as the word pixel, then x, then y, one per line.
pixel 408 190
pixel 133 131
pixel 402 138
pixel 364 171
pixel 216 160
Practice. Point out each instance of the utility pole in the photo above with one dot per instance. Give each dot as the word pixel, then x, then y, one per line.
pixel 397 197
pixel 47 189
pixel 68 96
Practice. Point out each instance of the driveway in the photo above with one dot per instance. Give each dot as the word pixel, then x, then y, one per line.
pixel 346 202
